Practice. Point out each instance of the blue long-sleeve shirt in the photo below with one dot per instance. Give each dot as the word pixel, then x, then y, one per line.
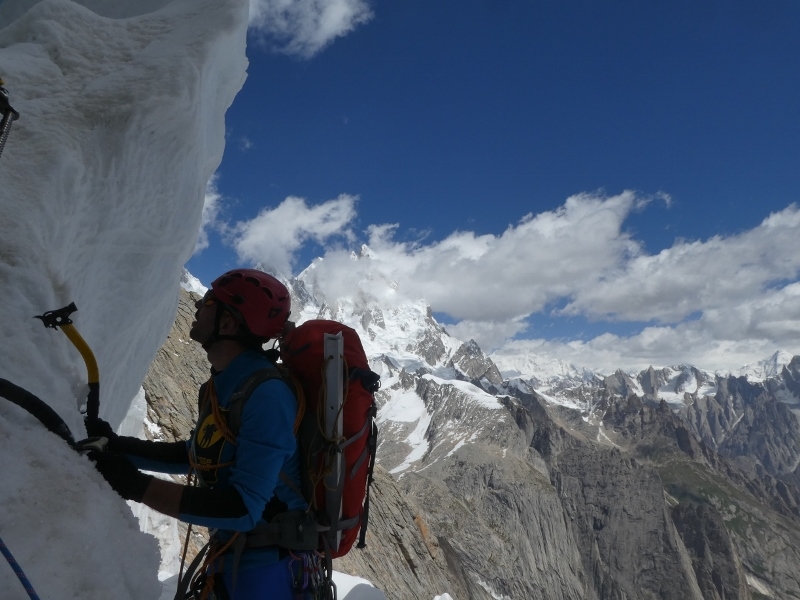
pixel 265 447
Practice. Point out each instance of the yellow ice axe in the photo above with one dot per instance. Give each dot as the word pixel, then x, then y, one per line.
pixel 59 318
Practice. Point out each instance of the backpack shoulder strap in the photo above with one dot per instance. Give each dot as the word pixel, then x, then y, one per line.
pixel 241 395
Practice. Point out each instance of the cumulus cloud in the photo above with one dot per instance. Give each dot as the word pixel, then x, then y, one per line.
pixel 276 234
pixel 500 277
pixel 490 335
pixel 717 303
pixel 211 207
pixel 696 276
pixel 304 27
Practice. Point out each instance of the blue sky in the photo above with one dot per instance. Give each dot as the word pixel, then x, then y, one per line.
pixel 467 126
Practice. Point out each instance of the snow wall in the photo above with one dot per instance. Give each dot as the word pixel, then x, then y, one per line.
pixel 102 182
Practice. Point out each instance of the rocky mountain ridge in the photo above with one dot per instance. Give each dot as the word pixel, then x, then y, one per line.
pixel 599 488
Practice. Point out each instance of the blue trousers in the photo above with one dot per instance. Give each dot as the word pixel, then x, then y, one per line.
pixel 271 582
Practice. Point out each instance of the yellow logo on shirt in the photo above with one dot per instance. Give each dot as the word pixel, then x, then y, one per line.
pixel 209 433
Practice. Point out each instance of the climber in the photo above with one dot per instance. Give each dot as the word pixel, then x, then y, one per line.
pixel 243 478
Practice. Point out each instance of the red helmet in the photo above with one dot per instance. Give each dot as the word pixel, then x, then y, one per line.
pixel 262 300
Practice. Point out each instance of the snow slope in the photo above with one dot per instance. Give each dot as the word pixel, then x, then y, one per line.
pixel 764 369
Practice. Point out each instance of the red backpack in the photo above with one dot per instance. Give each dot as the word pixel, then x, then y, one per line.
pixel 337 450
pixel 353 435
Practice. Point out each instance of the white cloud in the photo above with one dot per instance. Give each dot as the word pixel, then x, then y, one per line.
pixel 488 334
pixel 276 234
pixel 696 276
pixel 500 277
pixel 687 343
pixel 211 207
pixel 718 303
pixel 304 27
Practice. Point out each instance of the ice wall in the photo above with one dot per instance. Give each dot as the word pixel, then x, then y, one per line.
pixel 103 177
pixel 101 189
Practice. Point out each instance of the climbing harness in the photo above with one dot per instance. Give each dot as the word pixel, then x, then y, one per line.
pixel 18 570
pixel 9 115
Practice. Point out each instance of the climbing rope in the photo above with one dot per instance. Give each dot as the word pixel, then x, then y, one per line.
pixel 18 570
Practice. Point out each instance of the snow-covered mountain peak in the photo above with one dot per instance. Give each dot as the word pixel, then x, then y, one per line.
pixel 671 384
pixel 543 369
pixel 192 284
pixel 360 280
pixel 767 368
pixel 365 252
pixel 405 331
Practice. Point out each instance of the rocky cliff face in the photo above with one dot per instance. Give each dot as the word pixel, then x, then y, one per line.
pixel 757 511
pixel 668 484
pixel 716 564
pixel 171 385
pixel 402 555
pixel 170 388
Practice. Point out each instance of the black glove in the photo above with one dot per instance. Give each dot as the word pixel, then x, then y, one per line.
pixel 98 428
pixel 120 473
pixel 167 452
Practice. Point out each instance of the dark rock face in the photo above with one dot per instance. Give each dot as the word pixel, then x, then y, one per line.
pixel 791 376
pixel 171 387
pixel 627 541
pixel 711 418
pixel 177 372
pixel 716 564
pixel 619 384
pixel 618 517
pixel 757 510
pixel 769 432
pixel 747 422
pixel 403 556
pixel 430 347
pixel 503 523
pixel 470 360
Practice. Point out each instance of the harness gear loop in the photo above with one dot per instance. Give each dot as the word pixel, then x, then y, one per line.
pixel 212 556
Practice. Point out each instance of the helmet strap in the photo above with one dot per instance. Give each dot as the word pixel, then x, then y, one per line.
pixel 216 336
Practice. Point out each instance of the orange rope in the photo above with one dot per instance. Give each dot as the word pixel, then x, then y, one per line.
pixel 199 467
pixel 221 423
pixel 208 587
pixel 210 396
pixel 191 481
